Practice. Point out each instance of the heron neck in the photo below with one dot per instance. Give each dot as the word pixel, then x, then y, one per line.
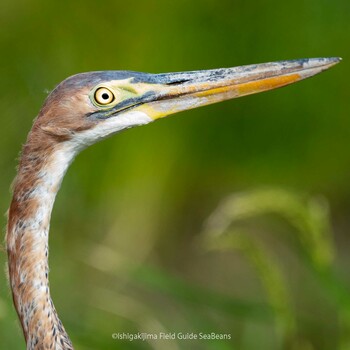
pixel 39 177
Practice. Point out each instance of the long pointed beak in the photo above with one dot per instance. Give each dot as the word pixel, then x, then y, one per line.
pixel 175 92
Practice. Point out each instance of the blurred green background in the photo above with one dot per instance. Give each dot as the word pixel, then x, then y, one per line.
pixel 131 247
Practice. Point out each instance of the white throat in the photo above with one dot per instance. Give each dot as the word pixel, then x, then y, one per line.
pixel 106 128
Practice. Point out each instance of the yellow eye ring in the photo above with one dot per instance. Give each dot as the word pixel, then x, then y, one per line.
pixel 104 96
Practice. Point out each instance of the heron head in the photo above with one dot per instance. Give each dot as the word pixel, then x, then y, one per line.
pixel 88 107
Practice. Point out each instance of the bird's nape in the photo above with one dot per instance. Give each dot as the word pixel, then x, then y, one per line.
pixel 82 110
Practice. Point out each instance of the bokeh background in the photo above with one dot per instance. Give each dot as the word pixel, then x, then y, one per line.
pixel 131 245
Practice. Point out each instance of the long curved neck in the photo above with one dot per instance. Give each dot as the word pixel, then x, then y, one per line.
pixel 43 164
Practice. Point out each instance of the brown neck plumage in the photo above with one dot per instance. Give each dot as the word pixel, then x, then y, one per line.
pixel 43 164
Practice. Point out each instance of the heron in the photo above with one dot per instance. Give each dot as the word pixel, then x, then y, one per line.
pixel 81 110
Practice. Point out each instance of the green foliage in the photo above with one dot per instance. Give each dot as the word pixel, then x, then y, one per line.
pixel 310 218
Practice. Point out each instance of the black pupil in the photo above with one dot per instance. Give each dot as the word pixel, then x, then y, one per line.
pixel 105 96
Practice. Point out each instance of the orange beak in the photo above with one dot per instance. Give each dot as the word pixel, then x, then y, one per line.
pixel 175 92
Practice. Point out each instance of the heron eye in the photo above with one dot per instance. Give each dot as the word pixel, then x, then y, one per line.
pixel 104 96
